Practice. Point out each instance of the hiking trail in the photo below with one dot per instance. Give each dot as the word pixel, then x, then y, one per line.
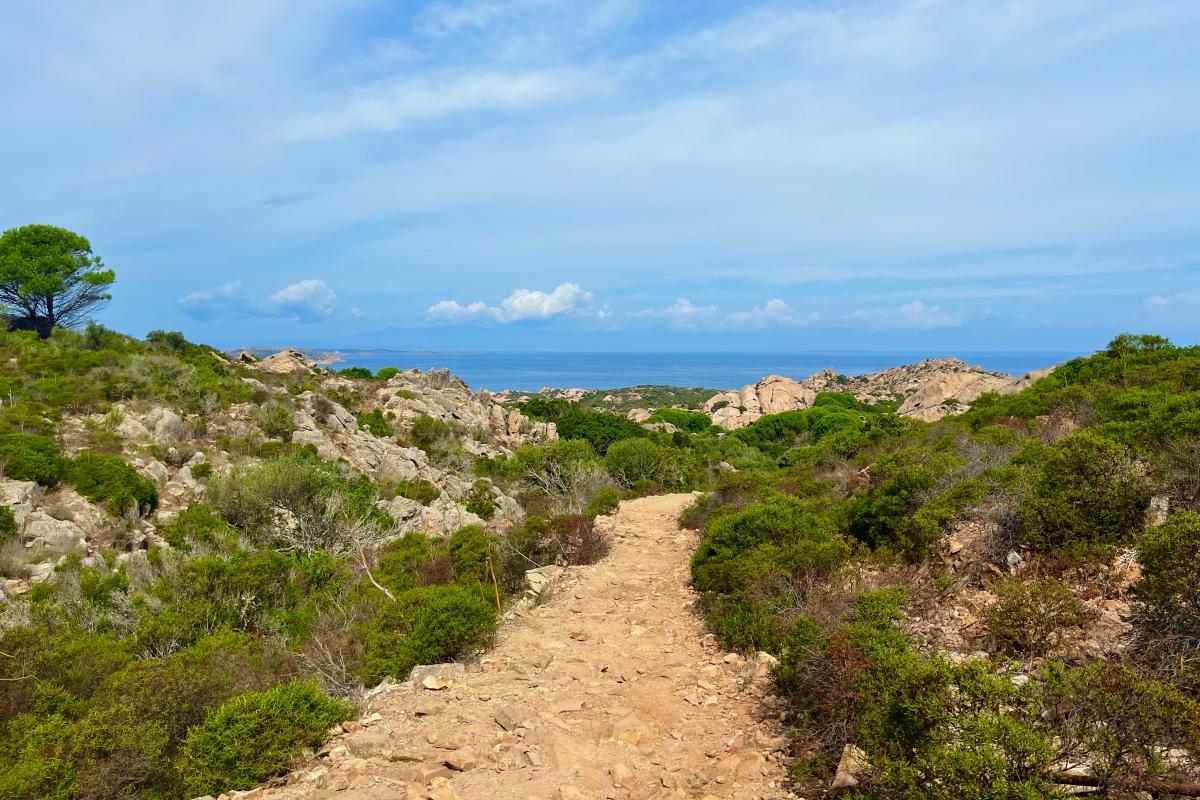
pixel 609 688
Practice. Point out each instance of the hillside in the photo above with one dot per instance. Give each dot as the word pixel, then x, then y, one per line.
pixel 210 561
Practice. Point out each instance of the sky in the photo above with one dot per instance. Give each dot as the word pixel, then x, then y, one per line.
pixel 618 174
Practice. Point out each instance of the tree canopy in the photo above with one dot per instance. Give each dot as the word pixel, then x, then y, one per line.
pixel 49 277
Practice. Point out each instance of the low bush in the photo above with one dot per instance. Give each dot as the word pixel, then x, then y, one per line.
pixel 577 540
pixel 779 536
pixel 604 502
pixel 1033 618
pixel 418 489
pixel 108 479
pixel 355 373
pixel 386 373
pixel 691 421
pixel 8 525
pixel 429 433
pixel 1086 489
pixel 276 421
pixel 631 461
pixel 1168 590
pixel 427 625
pixel 375 422
pixel 256 735
pixel 479 500
pixel 31 458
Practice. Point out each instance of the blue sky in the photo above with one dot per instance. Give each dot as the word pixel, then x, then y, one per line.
pixel 619 174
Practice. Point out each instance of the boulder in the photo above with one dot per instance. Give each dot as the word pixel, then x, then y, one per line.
pixel 59 535
pixel 165 425
pixel 851 769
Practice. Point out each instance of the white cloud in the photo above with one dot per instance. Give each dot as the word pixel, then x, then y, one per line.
pixel 400 101
pixel 772 312
pixel 522 304
pixel 1190 298
pixel 212 303
pixel 306 301
pixel 683 314
pixel 914 315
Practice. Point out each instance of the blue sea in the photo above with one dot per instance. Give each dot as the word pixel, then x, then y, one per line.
pixel 526 371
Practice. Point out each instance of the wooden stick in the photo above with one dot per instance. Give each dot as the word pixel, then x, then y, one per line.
pixel 1151 785
pixel 495 583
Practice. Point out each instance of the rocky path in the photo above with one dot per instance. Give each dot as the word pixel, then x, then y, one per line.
pixel 607 689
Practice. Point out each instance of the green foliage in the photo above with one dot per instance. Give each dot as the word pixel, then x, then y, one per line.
pixel 1085 489
pixel 1033 618
pixel 599 429
pixel 196 525
pixel 779 536
pixel 256 735
pixel 376 422
pixel 605 501
pixel 418 489
pixel 427 625
pixel 31 458
pixel 358 373
pixel 429 433
pixel 276 421
pixel 1168 589
pixel 630 461
pixel 691 421
pixel 8 525
pixel 108 479
pixel 479 500
pixel 49 277
pixel 386 373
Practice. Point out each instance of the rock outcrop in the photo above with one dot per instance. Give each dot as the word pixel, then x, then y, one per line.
pixel 928 390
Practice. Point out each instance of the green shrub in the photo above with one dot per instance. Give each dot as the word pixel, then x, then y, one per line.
pixel 605 501
pixel 1086 489
pixel 780 536
pixel 632 460
pixel 386 373
pixel 198 524
pixel 31 458
pixel 479 500
pixel 427 625
pixel 429 433
pixel 375 422
pixel 8 525
pixel 1168 589
pixel 202 470
pixel 418 489
pixel 256 735
pixel 1033 618
pixel 469 551
pixel 276 421
pixel 108 479
pixel 355 373
pixel 692 421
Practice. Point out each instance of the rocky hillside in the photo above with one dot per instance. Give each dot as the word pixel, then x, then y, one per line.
pixel 927 390
pixel 168 446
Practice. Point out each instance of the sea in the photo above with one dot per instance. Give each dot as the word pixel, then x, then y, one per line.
pixel 531 371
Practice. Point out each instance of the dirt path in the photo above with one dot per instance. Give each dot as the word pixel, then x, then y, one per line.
pixel 608 689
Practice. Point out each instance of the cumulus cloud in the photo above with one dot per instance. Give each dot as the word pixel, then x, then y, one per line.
pixel 772 312
pixel 209 304
pixel 914 315
pixel 682 314
pixel 523 304
pixel 306 301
